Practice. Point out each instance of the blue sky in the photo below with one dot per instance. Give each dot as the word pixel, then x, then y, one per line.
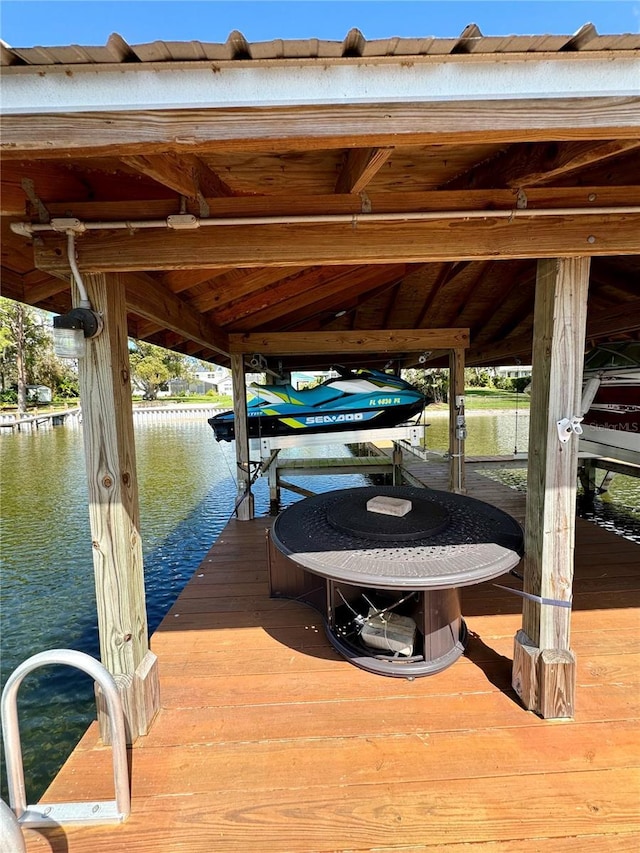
pixel 26 23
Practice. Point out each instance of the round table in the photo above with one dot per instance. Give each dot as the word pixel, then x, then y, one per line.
pixel 375 564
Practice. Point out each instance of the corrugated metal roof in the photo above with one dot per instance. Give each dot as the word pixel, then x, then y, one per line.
pixel 236 47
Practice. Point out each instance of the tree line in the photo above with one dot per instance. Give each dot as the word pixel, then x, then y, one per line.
pixel 27 358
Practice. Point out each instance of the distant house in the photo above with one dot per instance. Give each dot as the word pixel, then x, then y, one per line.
pixel 514 371
pixel 215 381
pixel 39 394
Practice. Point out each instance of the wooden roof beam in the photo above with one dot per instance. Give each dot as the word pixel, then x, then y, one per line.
pixel 330 126
pixel 360 167
pixel 305 244
pixel 328 342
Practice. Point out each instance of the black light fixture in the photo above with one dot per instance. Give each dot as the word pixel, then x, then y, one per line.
pixel 70 331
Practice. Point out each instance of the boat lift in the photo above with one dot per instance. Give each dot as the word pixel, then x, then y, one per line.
pixel 407 436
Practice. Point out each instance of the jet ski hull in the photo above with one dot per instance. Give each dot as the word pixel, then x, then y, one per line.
pixel 314 421
pixel 361 399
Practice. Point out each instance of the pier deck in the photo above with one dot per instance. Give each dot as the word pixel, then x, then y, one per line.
pixel 268 741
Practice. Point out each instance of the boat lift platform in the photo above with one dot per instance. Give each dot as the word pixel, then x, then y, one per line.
pixel 274 466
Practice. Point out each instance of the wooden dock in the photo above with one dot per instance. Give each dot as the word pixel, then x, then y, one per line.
pixel 56 418
pixel 268 741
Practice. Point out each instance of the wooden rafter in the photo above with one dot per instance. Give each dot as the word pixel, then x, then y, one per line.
pixel 501 296
pixel 39 286
pixel 360 167
pixel 302 292
pixel 184 173
pixel 534 164
pixel 149 299
pixel 393 295
pixel 519 315
pixel 325 311
pixel 239 284
pixel 624 317
pixel 447 273
pixel 605 274
pixel 181 280
pixel 456 304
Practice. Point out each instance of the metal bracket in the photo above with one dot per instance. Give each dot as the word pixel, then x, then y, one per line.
pixel 365 202
pixel 568 427
pixel 30 191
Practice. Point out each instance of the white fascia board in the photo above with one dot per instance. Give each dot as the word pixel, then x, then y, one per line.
pixel 125 87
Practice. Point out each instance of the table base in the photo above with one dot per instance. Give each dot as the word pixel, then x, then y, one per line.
pixel 398 667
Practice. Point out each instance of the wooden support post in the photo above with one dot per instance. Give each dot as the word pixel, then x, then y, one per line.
pixel 274 483
pixel 105 391
pixel 457 427
pixel 396 475
pixel 244 498
pixel 587 474
pixel 556 392
pixel 587 477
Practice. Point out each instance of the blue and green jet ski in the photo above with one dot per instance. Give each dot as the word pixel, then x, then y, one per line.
pixel 362 399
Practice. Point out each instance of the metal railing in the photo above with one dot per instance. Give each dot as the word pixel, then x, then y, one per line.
pixel 42 814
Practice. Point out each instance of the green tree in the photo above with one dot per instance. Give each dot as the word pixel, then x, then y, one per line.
pixel 23 341
pixel 152 367
pixel 432 382
pixel 479 377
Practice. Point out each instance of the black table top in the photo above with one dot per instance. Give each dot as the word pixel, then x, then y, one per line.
pixel 445 541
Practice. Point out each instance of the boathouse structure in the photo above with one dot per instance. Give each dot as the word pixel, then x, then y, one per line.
pixel 404 202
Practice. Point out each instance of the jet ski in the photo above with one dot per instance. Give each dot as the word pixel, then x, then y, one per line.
pixel 361 399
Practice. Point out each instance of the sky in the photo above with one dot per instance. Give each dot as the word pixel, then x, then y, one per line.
pixel 25 23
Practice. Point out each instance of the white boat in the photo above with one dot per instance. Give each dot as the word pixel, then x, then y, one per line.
pixel 611 402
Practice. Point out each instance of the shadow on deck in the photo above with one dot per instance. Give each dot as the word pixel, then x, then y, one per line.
pixel 269 741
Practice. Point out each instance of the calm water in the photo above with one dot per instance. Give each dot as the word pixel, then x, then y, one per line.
pixel 499 434
pixel 187 494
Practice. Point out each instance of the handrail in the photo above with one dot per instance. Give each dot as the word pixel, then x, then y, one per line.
pixel 91 812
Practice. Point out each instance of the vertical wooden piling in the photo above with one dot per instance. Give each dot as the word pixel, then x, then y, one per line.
pixel 105 391
pixel 556 391
pixel 456 444
pixel 244 497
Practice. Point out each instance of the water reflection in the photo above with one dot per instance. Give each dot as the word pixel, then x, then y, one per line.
pixel 187 495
